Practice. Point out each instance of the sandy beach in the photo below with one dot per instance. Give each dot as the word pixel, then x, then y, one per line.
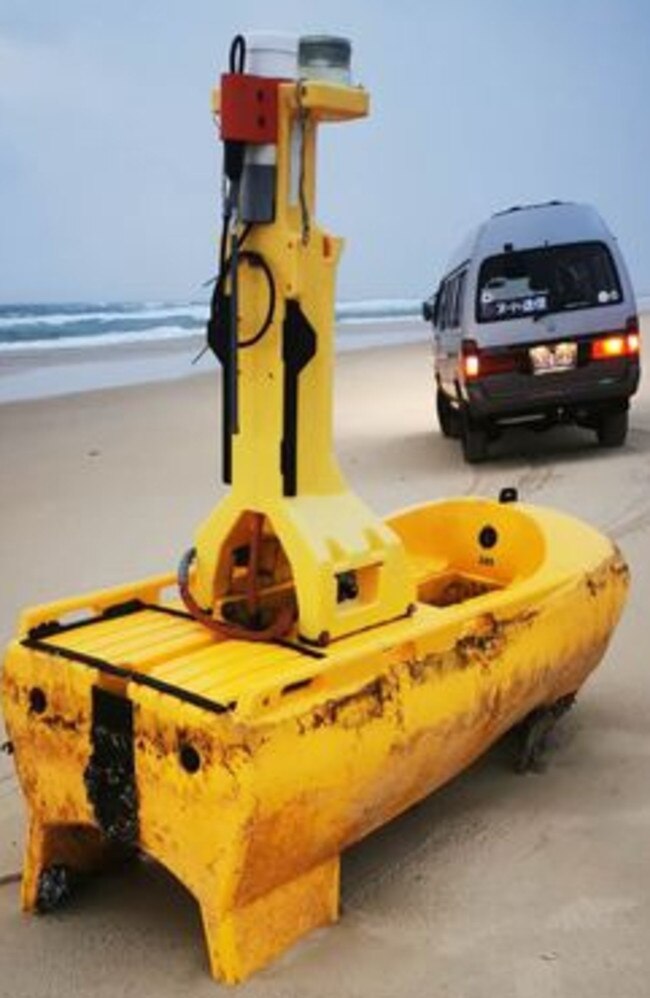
pixel 498 885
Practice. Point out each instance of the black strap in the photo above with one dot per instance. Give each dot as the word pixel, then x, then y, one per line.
pixel 218 342
pixel 299 345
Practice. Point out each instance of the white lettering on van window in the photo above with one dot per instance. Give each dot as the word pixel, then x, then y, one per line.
pixel 520 306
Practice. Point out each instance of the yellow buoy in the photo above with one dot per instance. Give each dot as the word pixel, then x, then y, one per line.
pixel 320 669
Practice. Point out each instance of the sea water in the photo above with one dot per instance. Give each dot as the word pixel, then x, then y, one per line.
pixel 54 349
pixel 87 323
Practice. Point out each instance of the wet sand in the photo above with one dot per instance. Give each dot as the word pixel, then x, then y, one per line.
pixel 516 887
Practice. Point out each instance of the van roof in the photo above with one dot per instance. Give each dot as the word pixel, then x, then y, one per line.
pixel 527 226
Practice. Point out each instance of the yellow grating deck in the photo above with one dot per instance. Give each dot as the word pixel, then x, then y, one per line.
pixel 164 648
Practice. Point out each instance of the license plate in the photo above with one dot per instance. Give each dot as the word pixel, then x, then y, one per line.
pixel 551 358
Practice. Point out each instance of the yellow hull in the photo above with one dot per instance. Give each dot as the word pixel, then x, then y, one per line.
pixel 248 768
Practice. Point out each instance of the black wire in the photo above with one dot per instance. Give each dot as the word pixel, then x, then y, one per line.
pixel 257 260
pixel 237 49
pixel 224 264
pixel 231 372
pixel 223 242
pixel 222 255
pixel 245 233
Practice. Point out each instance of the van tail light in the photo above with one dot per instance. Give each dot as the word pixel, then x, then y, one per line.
pixel 480 363
pixel 470 360
pixel 627 343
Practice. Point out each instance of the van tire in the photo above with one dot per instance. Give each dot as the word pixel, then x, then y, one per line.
pixel 474 439
pixel 612 428
pixel 448 417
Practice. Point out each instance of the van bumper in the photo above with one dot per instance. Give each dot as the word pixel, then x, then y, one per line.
pixel 567 395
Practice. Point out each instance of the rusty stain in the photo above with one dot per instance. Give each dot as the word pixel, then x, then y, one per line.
pixel 613 567
pixel 370 699
pixel 485 643
pixel 460 589
pixel 57 721
pixel 489 638
pixel 234 754
pixel 167 741
pixel 482 646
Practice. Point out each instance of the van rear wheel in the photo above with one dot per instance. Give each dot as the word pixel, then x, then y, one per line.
pixel 474 439
pixel 612 428
pixel 448 417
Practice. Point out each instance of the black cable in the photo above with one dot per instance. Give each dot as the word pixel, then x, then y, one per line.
pixel 234 149
pixel 214 298
pixel 223 242
pixel 232 334
pixel 255 259
pixel 237 49
pixel 224 262
pixel 245 233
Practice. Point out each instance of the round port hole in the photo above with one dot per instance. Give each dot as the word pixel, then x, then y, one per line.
pixel 190 759
pixel 488 537
pixel 37 700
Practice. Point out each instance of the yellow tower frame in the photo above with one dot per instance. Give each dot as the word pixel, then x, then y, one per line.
pixel 344 567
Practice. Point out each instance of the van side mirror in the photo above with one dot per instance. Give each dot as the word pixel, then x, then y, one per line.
pixel 427 311
pixel 435 312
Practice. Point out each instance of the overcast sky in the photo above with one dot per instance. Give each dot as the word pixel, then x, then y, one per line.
pixel 109 168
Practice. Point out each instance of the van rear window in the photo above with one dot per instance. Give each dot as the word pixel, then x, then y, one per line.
pixel 548 279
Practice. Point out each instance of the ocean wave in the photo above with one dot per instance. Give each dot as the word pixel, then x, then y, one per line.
pixel 89 324
pixel 376 308
pixel 10 321
pixel 170 335
pixel 162 334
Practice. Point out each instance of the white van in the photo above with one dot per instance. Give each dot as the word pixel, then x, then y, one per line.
pixel 535 322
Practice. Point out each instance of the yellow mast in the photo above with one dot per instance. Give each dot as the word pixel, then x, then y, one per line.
pixel 323 551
